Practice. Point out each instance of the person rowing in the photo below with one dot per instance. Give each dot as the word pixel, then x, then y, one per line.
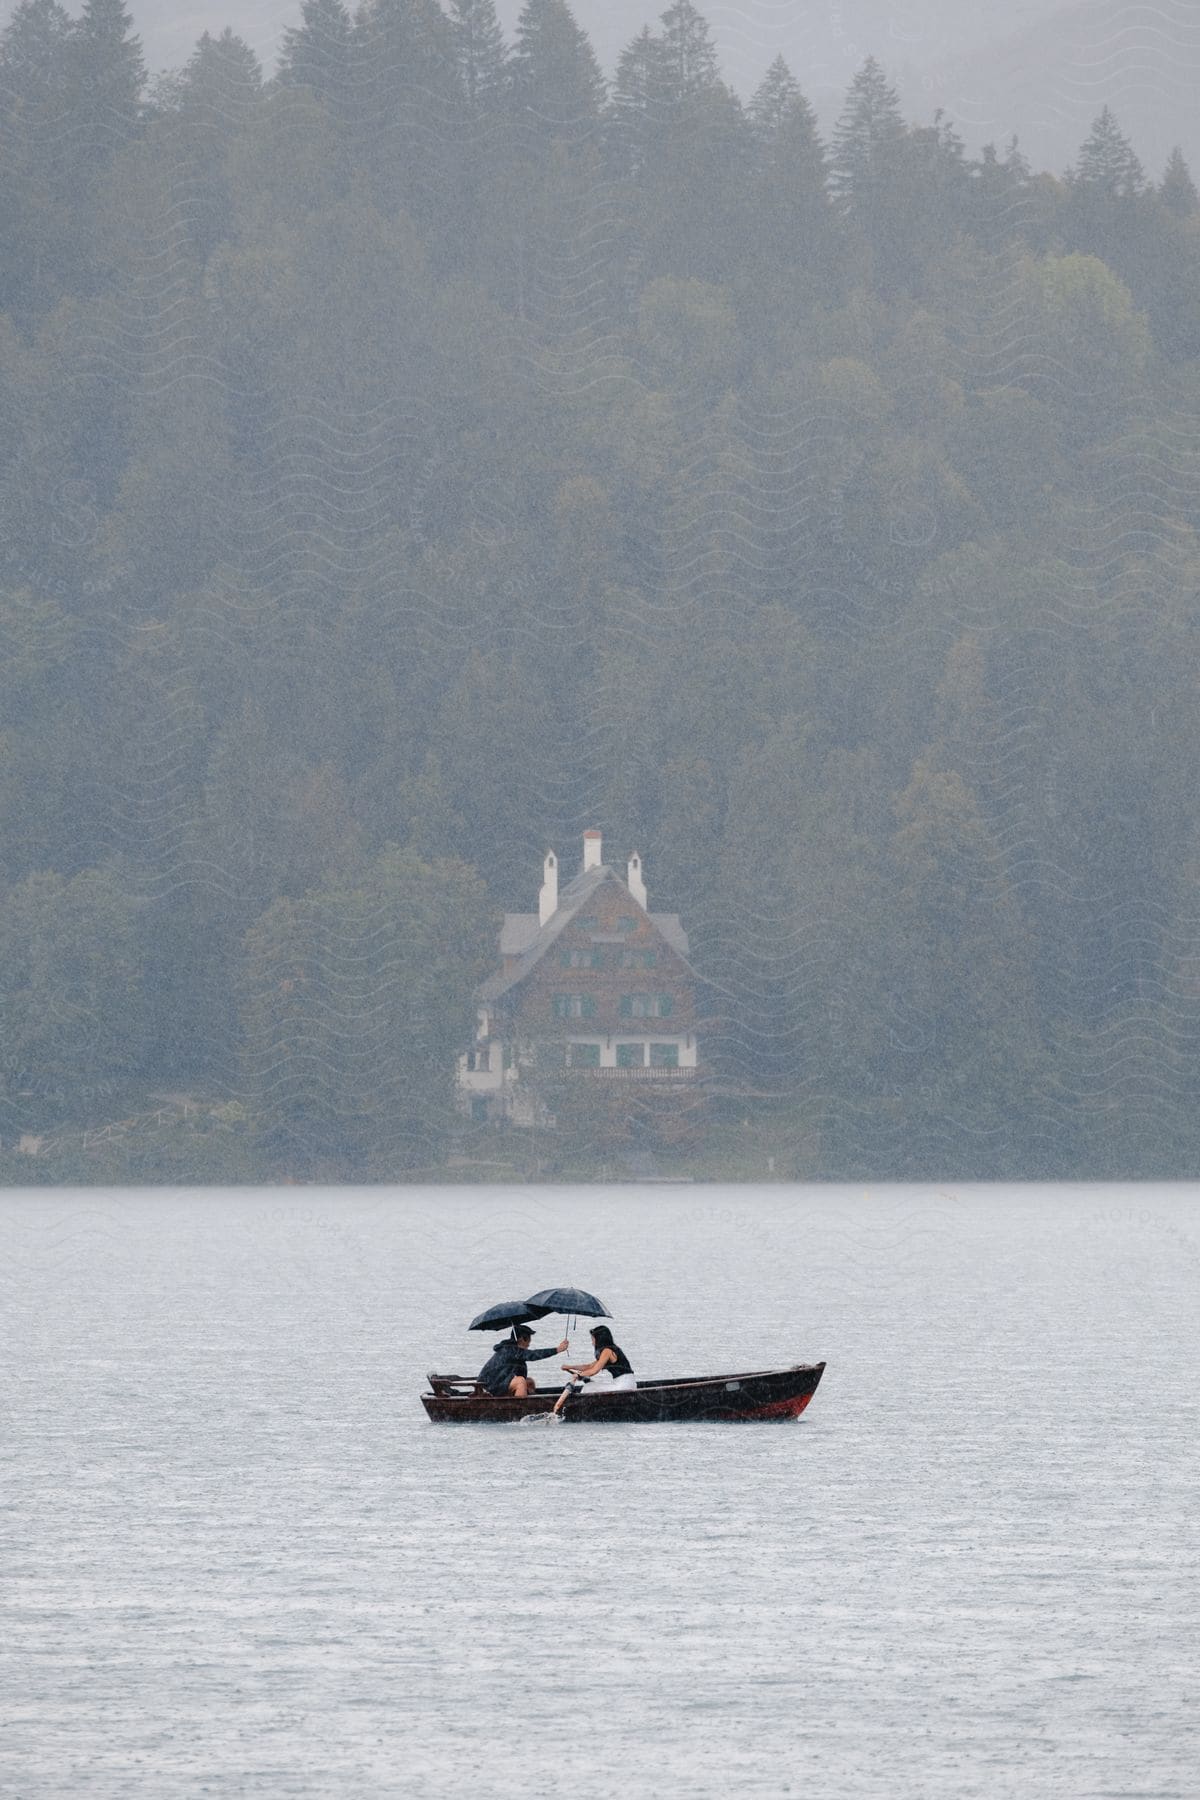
pixel 506 1370
pixel 610 1359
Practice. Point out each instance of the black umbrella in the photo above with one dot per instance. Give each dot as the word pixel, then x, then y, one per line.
pixel 508 1312
pixel 572 1301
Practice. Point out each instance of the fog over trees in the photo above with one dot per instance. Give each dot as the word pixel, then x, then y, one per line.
pixel 1038 68
pixel 435 448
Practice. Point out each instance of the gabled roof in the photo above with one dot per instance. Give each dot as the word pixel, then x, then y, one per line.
pixel 517 933
pixel 523 937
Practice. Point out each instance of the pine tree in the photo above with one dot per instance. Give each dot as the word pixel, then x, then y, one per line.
pixel 37 184
pixel 480 49
pixel 213 96
pixel 1177 190
pixel 408 106
pixel 688 60
pixel 407 47
pixel 554 79
pixel 33 53
pixel 1107 166
pixel 867 139
pixel 222 77
pixel 773 100
pixel 791 214
pixel 785 127
pixel 110 78
pixel 1017 163
pixel 635 108
pixel 316 53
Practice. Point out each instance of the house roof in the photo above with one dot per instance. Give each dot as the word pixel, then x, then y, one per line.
pixel 522 936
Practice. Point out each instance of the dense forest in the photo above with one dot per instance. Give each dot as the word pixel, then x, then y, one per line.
pixel 427 452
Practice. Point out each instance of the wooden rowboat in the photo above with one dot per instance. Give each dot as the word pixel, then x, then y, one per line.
pixel 764 1394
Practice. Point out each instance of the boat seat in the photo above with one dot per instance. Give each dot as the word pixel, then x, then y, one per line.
pixel 452 1384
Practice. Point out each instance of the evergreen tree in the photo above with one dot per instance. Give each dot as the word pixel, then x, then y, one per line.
pixel 936 180
pixel 1107 167
pixel 688 59
pixel 866 142
pixel 705 187
pixel 33 63
pixel 1177 190
pixel 109 80
pixel 791 212
pixel 785 129
pixel 35 159
pixel 997 214
pixel 409 43
pixel 555 82
pixel 222 78
pixel 1016 162
pixel 635 106
pixel 316 53
pixel 773 100
pixel 480 48
pixel 411 101
pixel 219 87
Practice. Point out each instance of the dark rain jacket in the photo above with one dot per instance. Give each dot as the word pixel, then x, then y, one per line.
pixel 508 1358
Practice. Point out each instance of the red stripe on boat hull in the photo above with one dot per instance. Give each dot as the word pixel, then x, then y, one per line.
pixel 779 1409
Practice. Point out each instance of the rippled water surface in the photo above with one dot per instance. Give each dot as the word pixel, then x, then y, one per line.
pixel 238 1560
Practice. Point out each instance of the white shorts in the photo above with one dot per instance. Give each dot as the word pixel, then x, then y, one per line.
pixel 624 1382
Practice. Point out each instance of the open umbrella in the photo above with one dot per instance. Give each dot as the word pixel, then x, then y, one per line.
pixel 572 1301
pixel 508 1312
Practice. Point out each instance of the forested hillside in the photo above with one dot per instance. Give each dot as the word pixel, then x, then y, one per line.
pixel 423 455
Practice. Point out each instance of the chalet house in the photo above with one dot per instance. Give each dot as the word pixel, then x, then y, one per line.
pixel 592 988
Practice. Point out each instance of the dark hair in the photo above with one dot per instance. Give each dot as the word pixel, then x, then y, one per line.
pixel 602 1337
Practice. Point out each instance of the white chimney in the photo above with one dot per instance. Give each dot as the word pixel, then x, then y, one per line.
pixel 635 883
pixel 548 898
pixel 593 844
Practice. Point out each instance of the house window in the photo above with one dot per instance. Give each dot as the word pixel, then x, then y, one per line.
pixel 639 959
pixel 664 1056
pixel 631 1056
pixel 627 923
pixel 478 1060
pixel 589 922
pixel 574 1006
pixel 581 959
pixel 645 1006
pixel 583 1056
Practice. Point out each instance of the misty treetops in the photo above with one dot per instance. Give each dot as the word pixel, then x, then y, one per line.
pixel 435 448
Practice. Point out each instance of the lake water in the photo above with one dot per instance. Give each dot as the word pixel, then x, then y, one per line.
pixel 236 1559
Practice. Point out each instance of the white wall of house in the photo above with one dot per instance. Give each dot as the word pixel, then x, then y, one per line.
pixel 686 1047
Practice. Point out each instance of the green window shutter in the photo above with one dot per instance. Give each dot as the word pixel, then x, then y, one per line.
pixel 587 1008
pixel 664 1006
pixel 626 1006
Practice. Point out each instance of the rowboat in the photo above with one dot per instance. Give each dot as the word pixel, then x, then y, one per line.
pixel 763 1394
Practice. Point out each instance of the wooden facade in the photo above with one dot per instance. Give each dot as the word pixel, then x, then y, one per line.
pixel 594 1004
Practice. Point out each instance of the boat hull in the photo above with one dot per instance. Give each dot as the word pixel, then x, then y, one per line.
pixel 773 1394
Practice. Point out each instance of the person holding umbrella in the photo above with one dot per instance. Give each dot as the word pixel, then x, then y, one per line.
pixel 608 1356
pixel 506 1369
